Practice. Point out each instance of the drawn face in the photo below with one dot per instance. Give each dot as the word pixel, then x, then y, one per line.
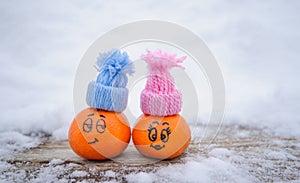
pixel 158 133
pixel 94 125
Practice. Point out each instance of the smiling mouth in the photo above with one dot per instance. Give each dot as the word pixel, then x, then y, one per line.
pixel 157 147
pixel 93 142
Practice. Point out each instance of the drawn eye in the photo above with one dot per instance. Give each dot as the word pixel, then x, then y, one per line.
pixel 101 126
pixel 164 135
pixel 152 133
pixel 87 125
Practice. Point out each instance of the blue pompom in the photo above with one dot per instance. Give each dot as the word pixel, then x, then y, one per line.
pixel 113 67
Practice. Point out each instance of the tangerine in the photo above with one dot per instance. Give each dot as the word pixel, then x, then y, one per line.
pixel 98 135
pixel 161 137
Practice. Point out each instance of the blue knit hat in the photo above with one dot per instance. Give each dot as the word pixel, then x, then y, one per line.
pixel 109 92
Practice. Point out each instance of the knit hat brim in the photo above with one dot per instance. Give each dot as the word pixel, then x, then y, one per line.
pixel 106 97
pixel 161 104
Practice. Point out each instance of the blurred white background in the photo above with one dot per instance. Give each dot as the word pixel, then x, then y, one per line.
pixel 256 44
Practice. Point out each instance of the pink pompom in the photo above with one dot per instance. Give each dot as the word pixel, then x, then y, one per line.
pixel 162 60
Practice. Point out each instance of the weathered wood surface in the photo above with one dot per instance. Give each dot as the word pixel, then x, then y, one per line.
pixel 252 152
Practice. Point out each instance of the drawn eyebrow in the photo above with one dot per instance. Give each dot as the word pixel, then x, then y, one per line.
pixel 165 123
pixel 91 114
pixel 102 116
pixel 155 122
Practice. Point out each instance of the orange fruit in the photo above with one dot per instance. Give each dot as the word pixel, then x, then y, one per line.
pixel 161 137
pixel 98 135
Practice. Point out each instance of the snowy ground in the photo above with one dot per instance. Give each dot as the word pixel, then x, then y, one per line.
pixel 256 44
pixel 238 154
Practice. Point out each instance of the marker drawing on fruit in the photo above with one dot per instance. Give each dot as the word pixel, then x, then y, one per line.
pixel 162 136
pixel 100 126
pixel 102 131
pixel 160 132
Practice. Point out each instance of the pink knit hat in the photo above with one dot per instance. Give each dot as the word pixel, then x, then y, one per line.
pixel 160 97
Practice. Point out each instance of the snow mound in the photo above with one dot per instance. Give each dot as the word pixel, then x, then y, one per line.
pixel 78 173
pixel 141 177
pixel 15 141
pixel 56 162
pixel 197 170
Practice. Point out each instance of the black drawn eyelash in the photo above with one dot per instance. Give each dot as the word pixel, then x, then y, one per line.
pixel 150 128
pixel 168 130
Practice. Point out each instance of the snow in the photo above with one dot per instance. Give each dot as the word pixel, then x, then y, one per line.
pixel 4 166
pixel 141 177
pixel 256 160
pixel 13 141
pixel 60 133
pixel 196 170
pixel 77 174
pixel 220 153
pixel 277 155
pixel 256 46
pixel 110 173
pixel 44 174
pixel 49 174
pixel 56 162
